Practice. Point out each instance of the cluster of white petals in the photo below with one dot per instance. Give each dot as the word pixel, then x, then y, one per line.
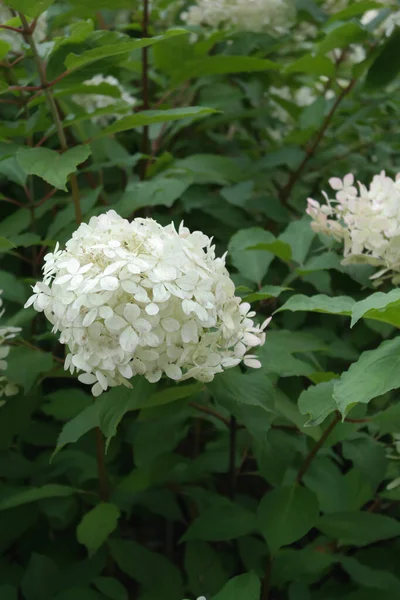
pixel 93 102
pixel 272 16
pixel 385 27
pixel 138 298
pixel 16 40
pixel 366 219
pixel 7 387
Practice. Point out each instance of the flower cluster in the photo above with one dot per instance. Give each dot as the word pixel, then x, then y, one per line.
pixel 93 102
pixel 272 16
pixel 16 40
pixel 138 298
pixel 7 387
pixel 366 219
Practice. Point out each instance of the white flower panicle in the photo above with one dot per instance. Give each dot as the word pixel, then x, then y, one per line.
pixel 16 40
pixel 272 16
pixel 93 102
pixel 366 219
pixel 138 298
pixel 7 387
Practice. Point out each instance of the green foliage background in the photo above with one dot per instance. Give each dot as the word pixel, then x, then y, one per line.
pixel 265 484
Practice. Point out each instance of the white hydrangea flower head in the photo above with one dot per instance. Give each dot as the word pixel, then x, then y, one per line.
pixel 137 298
pixel 93 102
pixel 15 39
pixel 7 387
pixel 366 219
pixel 272 16
pixel 388 25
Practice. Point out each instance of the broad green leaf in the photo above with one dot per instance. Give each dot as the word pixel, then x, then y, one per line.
pixel 15 418
pixel 338 305
pixel 267 291
pixel 11 169
pixel 74 61
pixel 208 168
pixel 6 244
pixel 50 490
pixel 380 307
pixel 83 422
pixel 299 235
pixel 148 117
pixel 97 525
pixel 317 402
pixel 40 580
pixel 325 261
pixel 252 264
pixel 243 587
pixel 204 568
pixel 221 65
pixel 111 588
pixel 358 8
pixel 33 8
pixel 150 569
pixel 159 191
pixel 366 576
pixel 386 65
pixel 78 593
pixel 51 166
pixel 238 194
pixel 8 592
pixel 375 373
pixel 277 247
pixel 35 363
pixel 314 65
pixel 172 394
pixel 221 523
pixel 359 528
pixel 286 515
pixel 342 36
pixel 13 289
pixel 64 405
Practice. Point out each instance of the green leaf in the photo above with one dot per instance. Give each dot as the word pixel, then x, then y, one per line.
pixel 226 522
pixel 51 166
pixel 111 588
pixel 97 525
pixel 35 363
pixel 267 291
pixel 286 515
pixel 314 65
pixel 208 168
pixel 299 236
pixel 76 428
pixel 6 244
pixel 50 490
pixel 375 373
pixel 342 36
pixel 366 576
pixel 172 394
pixel 40 579
pixel 13 289
pixel 339 305
pixel 358 8
pixel 317 402
pixel 243 587
pixel 252 264
pixel 159 191
pixel 277 247
pixel 380 307
pixel 149 117
pixel 33 8
pixel 64 405
pixel 221 65
pixel 386 65
pixel 74 61
pixel 8 592
pixel 358 528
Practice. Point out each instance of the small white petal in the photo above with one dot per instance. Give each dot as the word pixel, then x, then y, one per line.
pixel 170 324
pixel 109 283
pixel 173 372
pixel 129 340
pixel 115 323
pixel 89 317
pixel 152 309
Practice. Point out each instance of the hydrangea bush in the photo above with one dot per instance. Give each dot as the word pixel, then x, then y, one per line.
pixel 198 341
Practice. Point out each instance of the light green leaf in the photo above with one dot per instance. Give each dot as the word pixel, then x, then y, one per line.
pixel 76 428
pixel 50 490
pixel 111 588
pixel 97 525
pixel 267 291
pixel 35 363
pixel 159 191
pixel 172 394
pixel 314 65
pixel 219 523
pixel 51 166
pixel 358 528
pixel 277 247
pixel 317 402
pixel 339 305
pixel 358 8
pixel 6 244
pixel 375 373
pixel 13 289
pixel 286 515
pixel 74 61
pixel 299 235
pixel 33 8
pixel 243 587
pixel 208 168
pixel 221 65
pixel 342 36
pixel 252 264
pixel 380 307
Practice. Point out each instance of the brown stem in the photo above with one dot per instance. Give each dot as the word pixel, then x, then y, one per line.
pixel 210 411
pixel 295 176
pixel 54 112
pixel 104 491
pixel 232 456
pixel 267 579
pixel 145 88
pixel 313 453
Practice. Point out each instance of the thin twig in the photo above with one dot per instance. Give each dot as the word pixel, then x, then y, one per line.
pixel 211 412
pixel 313 453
